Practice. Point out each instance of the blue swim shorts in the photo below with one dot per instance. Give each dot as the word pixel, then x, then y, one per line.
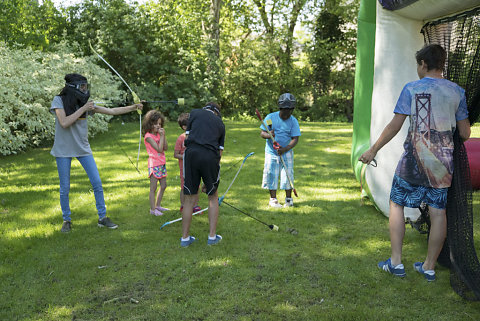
pixel 405 194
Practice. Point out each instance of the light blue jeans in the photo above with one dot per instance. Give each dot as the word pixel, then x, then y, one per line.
pixel 89 165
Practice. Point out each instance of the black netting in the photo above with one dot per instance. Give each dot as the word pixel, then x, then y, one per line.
pixel 465 268
pixel 460 36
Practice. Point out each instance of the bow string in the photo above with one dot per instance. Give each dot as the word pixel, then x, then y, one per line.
pixel 136 100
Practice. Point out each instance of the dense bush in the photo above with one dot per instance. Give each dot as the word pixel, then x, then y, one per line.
pixel 29 80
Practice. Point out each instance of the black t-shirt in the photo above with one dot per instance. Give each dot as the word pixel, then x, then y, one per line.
pixel 206 129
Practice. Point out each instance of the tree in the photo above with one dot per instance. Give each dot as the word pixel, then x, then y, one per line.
pixel 160 48
pixel 241 53
pixel 332 58
pixel 285 13
pixel 28 24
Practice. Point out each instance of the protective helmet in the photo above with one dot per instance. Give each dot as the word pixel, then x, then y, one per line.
pixel 77 85
pixel 215 108
pixel 286 100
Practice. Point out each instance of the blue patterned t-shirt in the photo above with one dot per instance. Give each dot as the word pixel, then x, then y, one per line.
pixel 434 106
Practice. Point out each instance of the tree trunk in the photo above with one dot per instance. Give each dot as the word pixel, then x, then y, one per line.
pixel 284 57
pixel 297 8
pixel 215 27
pixel 213 47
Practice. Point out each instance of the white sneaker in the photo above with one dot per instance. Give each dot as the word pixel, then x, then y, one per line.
pixel 288 202
pixel 274 203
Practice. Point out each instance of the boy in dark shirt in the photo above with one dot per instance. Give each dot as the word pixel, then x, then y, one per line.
pixel 204 146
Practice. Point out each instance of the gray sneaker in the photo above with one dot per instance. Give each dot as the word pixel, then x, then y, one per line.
pixel 288 202
pixel 66 227
pixel 106 222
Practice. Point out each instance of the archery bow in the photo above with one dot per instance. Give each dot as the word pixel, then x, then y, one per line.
pixel 136 100
pixel 220 199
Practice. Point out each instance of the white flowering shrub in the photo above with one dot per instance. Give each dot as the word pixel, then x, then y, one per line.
pixel 28 82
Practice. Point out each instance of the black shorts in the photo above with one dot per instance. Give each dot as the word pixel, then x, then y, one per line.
pixel 200 163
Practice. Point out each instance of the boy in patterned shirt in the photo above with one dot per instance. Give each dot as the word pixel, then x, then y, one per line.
pixel 437 107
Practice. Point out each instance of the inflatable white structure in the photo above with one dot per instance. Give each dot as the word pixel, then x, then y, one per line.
pixel 387 42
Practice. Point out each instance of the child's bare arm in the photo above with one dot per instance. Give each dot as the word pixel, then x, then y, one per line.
pixel 66 121
pixel 463 127
pixel 388 133
pixel 117 110
pixel 178 154
pixel 264 134
pixel 161 142
pixel 165 144
pixel 290 145
pixel 158 147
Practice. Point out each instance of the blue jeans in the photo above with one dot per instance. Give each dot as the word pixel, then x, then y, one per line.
pixel 89 165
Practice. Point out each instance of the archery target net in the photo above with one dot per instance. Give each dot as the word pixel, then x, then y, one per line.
pixel 460 36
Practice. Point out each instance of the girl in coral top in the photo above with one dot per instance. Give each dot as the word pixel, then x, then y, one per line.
pixel 156 145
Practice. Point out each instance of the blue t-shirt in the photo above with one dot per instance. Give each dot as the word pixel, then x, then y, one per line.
pixel 284 131
pixel 434 106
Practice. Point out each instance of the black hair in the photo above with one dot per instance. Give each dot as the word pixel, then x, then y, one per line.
pixel 73 99
pixel 213 107
pixel 433 55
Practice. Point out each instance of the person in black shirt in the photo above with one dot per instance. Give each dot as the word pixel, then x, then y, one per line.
pixel 204 146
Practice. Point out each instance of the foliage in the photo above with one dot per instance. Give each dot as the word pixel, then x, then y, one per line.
pixel 157 47
pixel 332 57
pixel 327 271
pixel 248 83
pixel 29 24
pixel 29 80
pixel 240 53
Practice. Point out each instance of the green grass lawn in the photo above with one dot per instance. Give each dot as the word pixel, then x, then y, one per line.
pixel 138 272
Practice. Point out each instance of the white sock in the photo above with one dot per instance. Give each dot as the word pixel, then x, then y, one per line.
pixel 212 237
pixel 429 272
pixel 187 239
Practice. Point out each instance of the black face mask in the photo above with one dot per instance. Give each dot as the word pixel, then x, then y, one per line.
pixel 73 98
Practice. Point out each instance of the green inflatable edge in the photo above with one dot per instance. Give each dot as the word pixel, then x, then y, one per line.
pixel 364 71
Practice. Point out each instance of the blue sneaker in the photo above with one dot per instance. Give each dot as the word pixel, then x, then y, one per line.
pixel 387 266
pixel 187 243
pixel 429 274
pixel 217 239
